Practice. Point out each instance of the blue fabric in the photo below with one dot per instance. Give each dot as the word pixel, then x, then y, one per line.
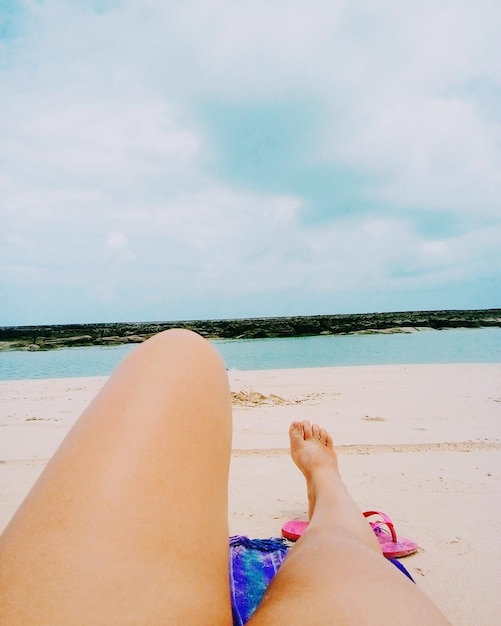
pixel 399 565
pixel 253 563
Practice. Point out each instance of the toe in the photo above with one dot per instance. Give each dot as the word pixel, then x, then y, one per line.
pixel 323 436
pixel 315 430
pixel 296 430
pixel 307 429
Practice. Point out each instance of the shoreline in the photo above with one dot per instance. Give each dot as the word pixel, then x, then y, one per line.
pixel 419 442
pixel 459 345
pixel 49 337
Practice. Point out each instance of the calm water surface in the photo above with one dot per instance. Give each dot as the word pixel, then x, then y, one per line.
pixel 428 346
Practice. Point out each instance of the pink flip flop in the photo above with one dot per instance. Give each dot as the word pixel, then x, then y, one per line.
pixel 391 545
pixel 293 529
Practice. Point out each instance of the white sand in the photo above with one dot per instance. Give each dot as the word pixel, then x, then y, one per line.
pixel 421 443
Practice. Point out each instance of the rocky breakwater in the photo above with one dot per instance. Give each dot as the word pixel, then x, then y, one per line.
pixel 59 336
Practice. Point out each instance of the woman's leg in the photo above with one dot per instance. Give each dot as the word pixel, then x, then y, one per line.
pixel 128 523
pixel 336 574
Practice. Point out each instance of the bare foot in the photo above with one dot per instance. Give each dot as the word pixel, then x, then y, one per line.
pixel 312 447
pixel 312 450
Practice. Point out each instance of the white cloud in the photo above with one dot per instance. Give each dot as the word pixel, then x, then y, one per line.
pixel 116 241
pixel 107 176
pixel 437 154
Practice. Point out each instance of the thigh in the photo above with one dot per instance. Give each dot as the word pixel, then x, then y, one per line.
pixel 128 522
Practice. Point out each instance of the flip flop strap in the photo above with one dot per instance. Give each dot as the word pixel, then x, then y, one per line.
pixel 386 521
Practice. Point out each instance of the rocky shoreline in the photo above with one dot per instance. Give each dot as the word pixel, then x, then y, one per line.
pixel 61 336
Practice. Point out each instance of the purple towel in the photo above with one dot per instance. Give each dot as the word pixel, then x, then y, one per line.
pixel 253 563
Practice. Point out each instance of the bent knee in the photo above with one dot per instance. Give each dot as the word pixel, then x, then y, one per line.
pixel 181 342
pixel 179 338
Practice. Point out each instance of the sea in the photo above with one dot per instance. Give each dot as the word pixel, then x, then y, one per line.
pixel 481 345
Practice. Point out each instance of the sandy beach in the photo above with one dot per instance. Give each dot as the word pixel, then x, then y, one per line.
pixel 420 442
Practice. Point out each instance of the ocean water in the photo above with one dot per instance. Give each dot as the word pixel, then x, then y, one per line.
pixel 426 346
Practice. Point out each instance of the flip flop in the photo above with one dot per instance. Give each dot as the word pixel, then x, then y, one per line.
pixel 391 545
pixel 293 529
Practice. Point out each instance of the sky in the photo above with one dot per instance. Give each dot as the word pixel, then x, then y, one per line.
pixel 196 159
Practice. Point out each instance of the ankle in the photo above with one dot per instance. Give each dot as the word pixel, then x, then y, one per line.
pixel 327 489
pixel 324 479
